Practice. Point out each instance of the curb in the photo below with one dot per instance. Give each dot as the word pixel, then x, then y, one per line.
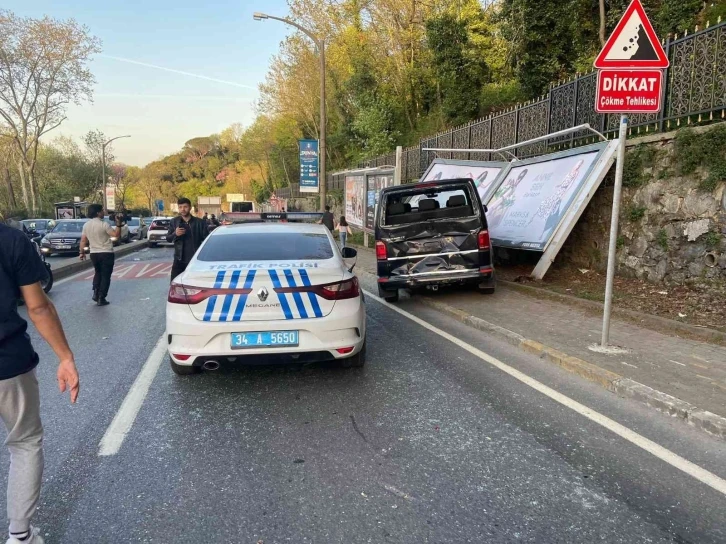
pixel 69 269
pixel 703 420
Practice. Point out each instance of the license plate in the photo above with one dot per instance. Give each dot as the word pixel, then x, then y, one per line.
pixel 241 340
pixel 63 247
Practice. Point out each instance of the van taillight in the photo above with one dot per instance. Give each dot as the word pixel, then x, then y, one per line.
pixel 484 241
pixel 381 251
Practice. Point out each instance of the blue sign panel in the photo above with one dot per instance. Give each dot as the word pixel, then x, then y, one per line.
pixel 308 166
pixel 160 205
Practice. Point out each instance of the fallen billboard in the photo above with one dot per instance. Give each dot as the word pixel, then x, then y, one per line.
pixel 540 196
pixel 484 174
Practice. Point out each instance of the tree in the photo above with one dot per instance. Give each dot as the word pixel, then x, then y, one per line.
pixel 43 69
pixel 7 152
pixel 198 148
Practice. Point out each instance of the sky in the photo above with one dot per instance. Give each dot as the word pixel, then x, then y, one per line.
pixel 146 44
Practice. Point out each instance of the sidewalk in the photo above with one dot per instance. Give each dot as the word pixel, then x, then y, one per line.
pixel 692 371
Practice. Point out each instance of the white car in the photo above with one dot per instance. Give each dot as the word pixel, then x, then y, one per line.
pixel 260 293
pixel 158 227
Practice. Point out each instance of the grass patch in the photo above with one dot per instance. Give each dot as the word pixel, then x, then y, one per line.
pixel 662 239
pixel 712 239
pixel 357 238
pixel 643 156
pixel 636 213
pixel 620 243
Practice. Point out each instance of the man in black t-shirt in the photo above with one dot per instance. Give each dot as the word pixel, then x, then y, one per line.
pixel 21 271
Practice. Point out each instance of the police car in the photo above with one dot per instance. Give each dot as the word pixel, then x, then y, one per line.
pixel 261 293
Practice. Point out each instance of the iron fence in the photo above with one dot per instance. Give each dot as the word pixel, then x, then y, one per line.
pixel 694 92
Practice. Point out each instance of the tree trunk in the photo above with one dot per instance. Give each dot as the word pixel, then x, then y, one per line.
pixel 23 184
pixel 12 202
pixel 33 184
pixel 601 33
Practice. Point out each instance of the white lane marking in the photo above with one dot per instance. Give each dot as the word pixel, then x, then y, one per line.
pixel 675 362
pixel 673 459
pixel 121 425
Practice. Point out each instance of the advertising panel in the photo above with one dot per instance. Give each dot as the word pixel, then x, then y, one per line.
pixel 110 197
pixel 482 174
pixel 355 200
pixel 375 184
pixel 308 166
pixel 528 206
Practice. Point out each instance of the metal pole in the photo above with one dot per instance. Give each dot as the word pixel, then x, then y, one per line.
pixel 612 249
pixel 103 178
pixel 322 179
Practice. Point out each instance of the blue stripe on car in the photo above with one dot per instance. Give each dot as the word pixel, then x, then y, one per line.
pixel 296 296
pixel 281 296
pixel 243 298
pixel 313 297
pixel 213 299
pixel 228 298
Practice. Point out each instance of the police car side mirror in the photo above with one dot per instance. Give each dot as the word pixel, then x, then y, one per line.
pixel 486 208
pixel 349 253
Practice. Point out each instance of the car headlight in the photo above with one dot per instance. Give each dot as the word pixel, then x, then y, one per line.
pixel 45 249
pixel 114 239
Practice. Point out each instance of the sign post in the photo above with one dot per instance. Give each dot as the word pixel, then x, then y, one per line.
pixel 309 171
pixel 630 80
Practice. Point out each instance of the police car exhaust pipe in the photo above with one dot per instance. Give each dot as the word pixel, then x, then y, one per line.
pixel 210 365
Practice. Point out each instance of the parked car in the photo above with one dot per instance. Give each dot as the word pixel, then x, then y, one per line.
pixel 38 227
pixel 157 231
pixel 431 234
pixel 63 238
pixel 125 237
pixel 137 227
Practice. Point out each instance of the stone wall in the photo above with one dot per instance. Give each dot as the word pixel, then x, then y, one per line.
pixel 672 226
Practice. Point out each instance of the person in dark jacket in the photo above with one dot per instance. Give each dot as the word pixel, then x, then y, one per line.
pixel 187 233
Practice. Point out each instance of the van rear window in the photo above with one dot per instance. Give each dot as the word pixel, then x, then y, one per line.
pixel 426 203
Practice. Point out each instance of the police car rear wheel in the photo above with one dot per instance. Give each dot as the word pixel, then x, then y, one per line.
pixel 183 370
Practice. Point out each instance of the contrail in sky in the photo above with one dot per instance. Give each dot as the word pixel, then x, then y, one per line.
pixel 173 71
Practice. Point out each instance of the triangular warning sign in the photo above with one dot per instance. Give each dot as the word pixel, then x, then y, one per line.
pixel 633 43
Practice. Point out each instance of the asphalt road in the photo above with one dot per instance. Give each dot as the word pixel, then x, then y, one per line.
pixel 427 444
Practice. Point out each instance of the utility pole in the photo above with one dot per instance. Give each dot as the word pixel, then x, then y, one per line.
pixel 103 169
pixel 320 44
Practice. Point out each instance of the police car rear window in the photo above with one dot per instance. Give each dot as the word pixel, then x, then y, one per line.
pixel 266 247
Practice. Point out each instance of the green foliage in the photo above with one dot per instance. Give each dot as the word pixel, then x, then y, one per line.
pixel 636 213
pixel 620 243
pixel 458 74
pixel 705 150
pixel 662 239
pixel 500 95
pixel 643 156
pixel 712 239
pixel 677 16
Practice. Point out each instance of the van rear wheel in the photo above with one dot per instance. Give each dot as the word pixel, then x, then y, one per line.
pixel 393 297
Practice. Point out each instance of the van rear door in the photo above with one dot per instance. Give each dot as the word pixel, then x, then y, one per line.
pixel 430 230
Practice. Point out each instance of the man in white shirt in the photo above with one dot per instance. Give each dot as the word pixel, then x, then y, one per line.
pixel 97 236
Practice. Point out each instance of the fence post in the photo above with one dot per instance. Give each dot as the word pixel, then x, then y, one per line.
pixel 468 141
pixel 664 96
pixel 574 110
pixel 516 130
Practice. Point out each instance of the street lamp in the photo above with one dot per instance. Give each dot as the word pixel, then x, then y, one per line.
pixel 103 168
pixel 320 44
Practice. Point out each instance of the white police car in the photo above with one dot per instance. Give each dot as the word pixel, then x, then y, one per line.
pixel 261 293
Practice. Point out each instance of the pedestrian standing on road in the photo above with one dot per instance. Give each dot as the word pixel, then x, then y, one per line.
pixel 97 236
pixel 343 231
pixel 205 217
pixel 328 219
pixel 187 233
pixel 21 271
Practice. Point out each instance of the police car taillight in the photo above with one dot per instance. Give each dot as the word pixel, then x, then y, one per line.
pixel 185 294
pixel 339 291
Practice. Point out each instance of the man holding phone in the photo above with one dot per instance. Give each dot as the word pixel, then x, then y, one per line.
pixel 187 233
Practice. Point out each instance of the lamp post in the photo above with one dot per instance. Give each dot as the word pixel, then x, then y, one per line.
pixel 103 168
pixel 320 44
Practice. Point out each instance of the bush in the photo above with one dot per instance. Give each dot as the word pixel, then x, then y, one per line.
pixel 643 156
pixel 706 150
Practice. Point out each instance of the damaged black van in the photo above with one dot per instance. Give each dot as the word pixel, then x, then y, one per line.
pixel 430 234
